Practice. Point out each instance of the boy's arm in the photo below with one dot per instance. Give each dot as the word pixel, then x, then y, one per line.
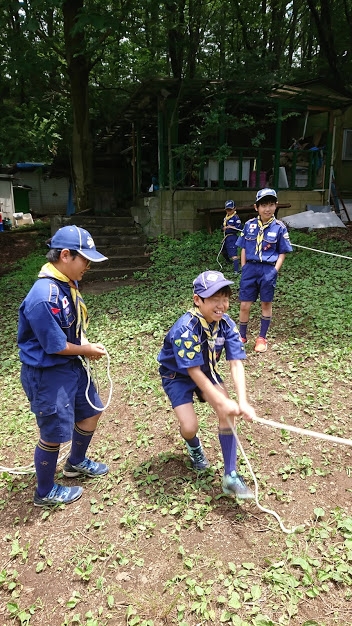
pixel 239 381
pixel 243 257
pixel 223 406
pixel 280 261
pixel 90 350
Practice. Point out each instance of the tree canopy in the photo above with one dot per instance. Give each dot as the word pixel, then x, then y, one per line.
pixel 69 65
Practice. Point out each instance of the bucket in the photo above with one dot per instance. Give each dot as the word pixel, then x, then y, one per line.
pixel 253 179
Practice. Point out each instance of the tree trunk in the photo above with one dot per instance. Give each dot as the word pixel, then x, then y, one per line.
pixel 78 69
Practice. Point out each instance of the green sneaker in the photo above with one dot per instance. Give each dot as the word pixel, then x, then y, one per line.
pixel 233 484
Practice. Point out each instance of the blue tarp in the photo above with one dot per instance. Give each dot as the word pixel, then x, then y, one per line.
pixel 29 166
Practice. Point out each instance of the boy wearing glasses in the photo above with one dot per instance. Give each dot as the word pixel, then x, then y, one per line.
pixel 52 344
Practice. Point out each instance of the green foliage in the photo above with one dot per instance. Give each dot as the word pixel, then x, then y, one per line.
pixel 150 503
pixel 122 45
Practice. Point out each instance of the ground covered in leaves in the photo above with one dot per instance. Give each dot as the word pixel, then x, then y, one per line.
pixel 155 544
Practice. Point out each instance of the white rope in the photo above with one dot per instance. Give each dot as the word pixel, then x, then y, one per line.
pixel 89 377
pixel 288 531
pixel 288 427
pixel 303 431
pixel 239 230
pixel 340 256
pixel 29 469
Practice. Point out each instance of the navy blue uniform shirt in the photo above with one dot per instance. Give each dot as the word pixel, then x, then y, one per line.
pixel 276 240
pixel 47 321
pixel 185 345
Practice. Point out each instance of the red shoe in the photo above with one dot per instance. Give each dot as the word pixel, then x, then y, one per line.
pixel 243 339
pixel 261 345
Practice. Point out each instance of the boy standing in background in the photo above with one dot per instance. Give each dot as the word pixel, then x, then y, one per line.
pixel 264 242
pixel 231 228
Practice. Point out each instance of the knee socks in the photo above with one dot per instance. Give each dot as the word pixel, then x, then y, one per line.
pixel 229 449
pixel 45 460
pixel 235 265
pixel 243 329
pixel 80 442
pixel 193 443
pixel 264 325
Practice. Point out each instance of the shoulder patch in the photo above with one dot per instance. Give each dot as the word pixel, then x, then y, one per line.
pixel 53 293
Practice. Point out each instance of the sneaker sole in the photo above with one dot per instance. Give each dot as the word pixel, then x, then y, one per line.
pixel 76 473
pixel 42 504
pixel 229 492
pixel 261 349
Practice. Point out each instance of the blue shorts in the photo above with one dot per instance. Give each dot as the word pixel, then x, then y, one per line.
pixel 257 279
pixel 57 398
pixel 180 389
pixel 230 246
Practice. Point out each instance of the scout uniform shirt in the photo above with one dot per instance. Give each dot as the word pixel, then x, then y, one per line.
pixel 185 345
pixel 48 310
pixel 276 241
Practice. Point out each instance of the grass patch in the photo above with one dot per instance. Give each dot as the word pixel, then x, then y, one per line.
pixel 153 543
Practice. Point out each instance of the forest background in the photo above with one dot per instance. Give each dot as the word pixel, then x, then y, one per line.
pixel 69 67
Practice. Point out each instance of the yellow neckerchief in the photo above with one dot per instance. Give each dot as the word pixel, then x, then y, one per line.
pixel 227 217
pixel 50 271
pixel 260 236
pixel 211 338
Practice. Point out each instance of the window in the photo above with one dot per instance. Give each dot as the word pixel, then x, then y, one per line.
pixel 347 145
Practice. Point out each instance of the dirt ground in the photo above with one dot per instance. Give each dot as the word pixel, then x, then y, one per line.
pixel 236 533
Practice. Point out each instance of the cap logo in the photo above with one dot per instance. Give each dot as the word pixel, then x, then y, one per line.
pixel 90 242
pixel 212 277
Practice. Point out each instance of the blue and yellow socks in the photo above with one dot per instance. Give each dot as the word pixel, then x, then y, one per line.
pixel 79 445
pixel 45 461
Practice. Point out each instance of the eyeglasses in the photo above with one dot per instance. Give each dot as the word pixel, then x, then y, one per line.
pixel 86 260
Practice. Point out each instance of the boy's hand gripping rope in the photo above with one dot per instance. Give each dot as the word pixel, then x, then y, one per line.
pixel 295 429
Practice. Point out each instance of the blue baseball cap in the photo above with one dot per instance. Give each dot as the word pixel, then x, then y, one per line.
pixel 209 282
pixel 75 238
pixel 230 204
pixel 263 193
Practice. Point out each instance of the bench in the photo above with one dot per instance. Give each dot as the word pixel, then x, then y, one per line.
pixel 247 209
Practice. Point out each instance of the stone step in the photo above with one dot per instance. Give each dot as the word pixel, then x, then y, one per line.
pixel 119 240
pixel 101 274
pixel 122 240
pixel 114 249
pixel 122 261
pixel 87 221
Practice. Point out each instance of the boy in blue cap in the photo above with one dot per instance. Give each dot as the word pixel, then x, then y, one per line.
pixel 231 228
pixel 265 243
pixel 188 365
pixel 52 340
